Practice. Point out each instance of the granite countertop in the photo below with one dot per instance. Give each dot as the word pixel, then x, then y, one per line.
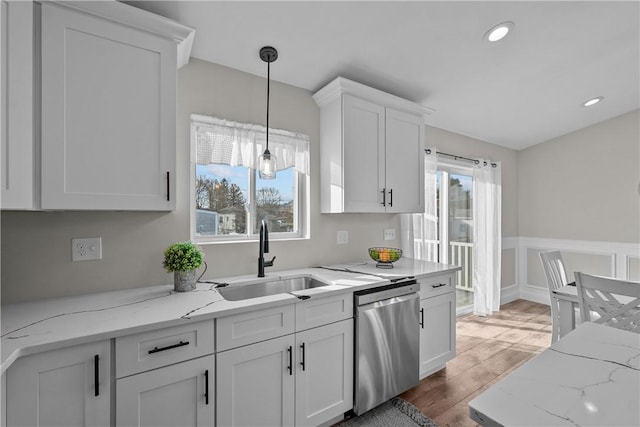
pixel 37 326
pixel 590 377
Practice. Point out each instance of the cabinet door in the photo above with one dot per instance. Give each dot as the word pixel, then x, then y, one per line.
pixel 16 111
pixel 177 395
pixel 255 384
pixel 363 145
pixel 58 388
pixel 437 332
pixel 324 373
pixel 108 114
pixel 404 162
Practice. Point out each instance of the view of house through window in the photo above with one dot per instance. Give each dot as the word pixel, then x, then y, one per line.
pixel 230 199
pixel 455 229
pixel 227 200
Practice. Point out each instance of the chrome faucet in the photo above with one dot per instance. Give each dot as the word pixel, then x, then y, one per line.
pixel 264 249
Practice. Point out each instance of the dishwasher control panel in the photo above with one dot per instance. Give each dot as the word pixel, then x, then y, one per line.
pixel 380 293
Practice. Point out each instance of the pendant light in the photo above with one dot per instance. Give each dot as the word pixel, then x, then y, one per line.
pixel 267 161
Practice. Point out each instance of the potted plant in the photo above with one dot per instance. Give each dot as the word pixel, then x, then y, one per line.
pixel 183 258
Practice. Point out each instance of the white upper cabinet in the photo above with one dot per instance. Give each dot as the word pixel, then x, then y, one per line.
pixel 371 150
pixel 105 96
pixel 17 133
pixel 108 114
pixel 404 164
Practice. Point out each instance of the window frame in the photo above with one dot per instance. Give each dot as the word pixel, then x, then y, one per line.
pixel 300 206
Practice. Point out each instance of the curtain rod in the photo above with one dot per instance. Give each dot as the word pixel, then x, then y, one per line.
pixel 453 156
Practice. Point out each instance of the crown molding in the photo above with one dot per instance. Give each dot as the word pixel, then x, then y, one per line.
pixel 140 19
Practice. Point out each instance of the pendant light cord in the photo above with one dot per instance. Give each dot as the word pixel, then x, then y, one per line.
pixel 268 91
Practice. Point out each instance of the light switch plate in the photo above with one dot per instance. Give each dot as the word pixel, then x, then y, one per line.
pixel 389 234
pixel 342 237
pixel 86 249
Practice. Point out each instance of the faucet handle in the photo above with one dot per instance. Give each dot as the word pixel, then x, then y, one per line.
pixel 269 263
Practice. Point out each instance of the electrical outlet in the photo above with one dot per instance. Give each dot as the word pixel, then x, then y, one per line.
pixel 86 249
pixel 389 234
pixel 342 237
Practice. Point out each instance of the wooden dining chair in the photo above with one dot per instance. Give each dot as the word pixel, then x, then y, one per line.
pixel 556 278
pixel 616 301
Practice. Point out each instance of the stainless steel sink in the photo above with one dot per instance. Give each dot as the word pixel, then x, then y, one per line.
pixel 242 292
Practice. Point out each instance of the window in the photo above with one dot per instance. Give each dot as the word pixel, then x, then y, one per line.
pixel 229 199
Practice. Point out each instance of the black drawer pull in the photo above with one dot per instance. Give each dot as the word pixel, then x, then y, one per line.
pixel 169 347
pixel 96 375
pixel 391 197
pixel 422 318
pixel 206 387
pixel 290 367
pixel 439 285
pixel 168 186
pixel 303 355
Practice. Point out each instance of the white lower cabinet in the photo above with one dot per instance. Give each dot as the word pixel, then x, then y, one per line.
pixel 299 379
pixel 67 387
pixel 437 332
pixel 177 395
pixel 324 373
pixel 255 384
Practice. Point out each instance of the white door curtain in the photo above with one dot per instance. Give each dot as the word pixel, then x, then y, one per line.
pixel 487 236
pixel 419 232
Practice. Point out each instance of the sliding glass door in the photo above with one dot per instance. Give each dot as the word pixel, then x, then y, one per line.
pixel 455 226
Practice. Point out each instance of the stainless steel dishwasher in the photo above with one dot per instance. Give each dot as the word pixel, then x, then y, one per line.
pixel 387 342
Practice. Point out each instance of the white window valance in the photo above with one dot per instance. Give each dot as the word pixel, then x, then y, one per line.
pixel 239 144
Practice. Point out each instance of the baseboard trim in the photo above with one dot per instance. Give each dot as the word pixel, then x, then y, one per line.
pixel 509 293
pixel 535 294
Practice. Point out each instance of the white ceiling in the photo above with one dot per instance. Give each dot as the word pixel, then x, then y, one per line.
pixel 523 90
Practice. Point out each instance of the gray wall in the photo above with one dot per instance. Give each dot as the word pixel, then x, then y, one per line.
pixel 583 185
pixel 579 186
pixel 36 246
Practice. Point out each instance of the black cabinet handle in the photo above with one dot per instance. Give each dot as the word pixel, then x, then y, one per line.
pixel 439 285
pixel 169 347
pixel 206 387
pixel 391 197
pixel 168 187
pixel 302 362
pixel 422 318
pixel 96 375
pixel 290 367
pixel 384 197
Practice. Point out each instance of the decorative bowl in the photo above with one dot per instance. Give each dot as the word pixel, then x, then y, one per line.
pixel 385 257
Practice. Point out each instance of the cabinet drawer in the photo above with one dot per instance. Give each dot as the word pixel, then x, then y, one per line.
pixel 150 350
pixel 436 285
pixel 321 311
pixel 247 328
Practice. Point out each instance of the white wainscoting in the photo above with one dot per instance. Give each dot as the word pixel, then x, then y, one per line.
pixel 619 255
pixel 510 292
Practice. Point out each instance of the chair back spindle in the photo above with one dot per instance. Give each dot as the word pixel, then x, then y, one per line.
pixel 556 276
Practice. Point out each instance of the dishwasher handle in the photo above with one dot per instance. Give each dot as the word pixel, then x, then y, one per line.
pixel 389 301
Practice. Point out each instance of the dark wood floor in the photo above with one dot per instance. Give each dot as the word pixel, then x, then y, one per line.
pixel 488 348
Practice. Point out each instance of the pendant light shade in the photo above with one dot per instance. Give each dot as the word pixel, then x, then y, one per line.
pixel 267 161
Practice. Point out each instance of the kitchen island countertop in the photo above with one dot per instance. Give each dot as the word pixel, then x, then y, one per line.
pixel 43 325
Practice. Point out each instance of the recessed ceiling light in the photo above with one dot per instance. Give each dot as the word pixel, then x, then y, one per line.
pixel 592 101
pixel 498 32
